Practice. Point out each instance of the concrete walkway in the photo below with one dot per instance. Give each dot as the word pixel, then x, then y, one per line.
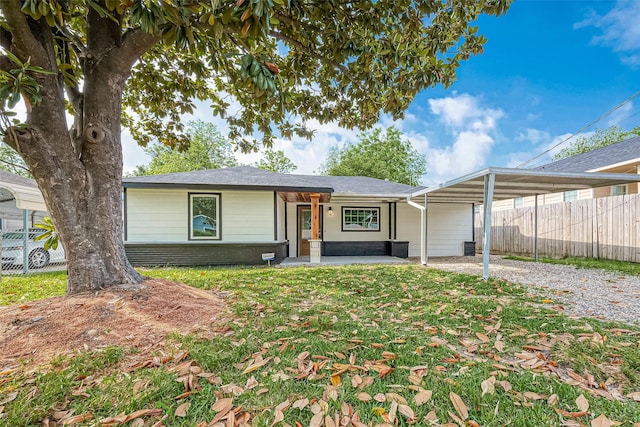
pixel 303 261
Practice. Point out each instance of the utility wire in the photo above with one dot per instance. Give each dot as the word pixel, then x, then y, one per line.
pixel 581 130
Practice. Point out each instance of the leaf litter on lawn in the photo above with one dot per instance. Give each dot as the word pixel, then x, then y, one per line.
pixel 372 346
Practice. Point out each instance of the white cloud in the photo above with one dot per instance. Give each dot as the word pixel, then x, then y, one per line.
pixel 461 110
pixel 471 127
pixel 533 136
pixel 620 30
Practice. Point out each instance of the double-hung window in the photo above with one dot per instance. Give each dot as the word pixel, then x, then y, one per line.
pixel 204 216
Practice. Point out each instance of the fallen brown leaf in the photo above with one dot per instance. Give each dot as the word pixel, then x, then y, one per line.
pixel 601 421
pixel 300 403
pixel 422 397
pixel 568 414
pixel 77 419
pixel 181 411
pixel 488 386
pixel 363 397
pixel 582 403
pixel 459 405
pixel 406 411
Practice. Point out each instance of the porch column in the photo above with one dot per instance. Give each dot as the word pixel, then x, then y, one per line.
pixel 315 244
pixel 489 184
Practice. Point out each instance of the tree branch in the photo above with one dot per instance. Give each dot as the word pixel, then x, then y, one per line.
pixel 15 165
pixel 314 54
pixel 291 21
pixel 135 43
pixel 24 41
pixel 5 38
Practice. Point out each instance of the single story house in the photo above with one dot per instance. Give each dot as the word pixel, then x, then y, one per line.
pixel 250 212
pixel 234 215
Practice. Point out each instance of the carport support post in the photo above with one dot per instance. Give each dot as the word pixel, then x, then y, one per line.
pixel 535 231
pixel 489 184
pixel 424 255
pixel 25 241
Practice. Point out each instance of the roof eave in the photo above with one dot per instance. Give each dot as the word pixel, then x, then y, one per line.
pixel 200 186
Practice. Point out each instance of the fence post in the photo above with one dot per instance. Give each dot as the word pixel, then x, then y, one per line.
pixel 25 241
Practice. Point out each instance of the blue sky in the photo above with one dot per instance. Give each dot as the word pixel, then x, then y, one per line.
pixel 548 69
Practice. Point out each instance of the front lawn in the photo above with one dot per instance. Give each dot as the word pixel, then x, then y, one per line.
pixel 356 345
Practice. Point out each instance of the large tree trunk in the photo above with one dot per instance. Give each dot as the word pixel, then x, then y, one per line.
pixel 80 176
pixel 82 186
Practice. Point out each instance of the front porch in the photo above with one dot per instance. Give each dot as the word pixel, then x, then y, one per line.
pixel 341 260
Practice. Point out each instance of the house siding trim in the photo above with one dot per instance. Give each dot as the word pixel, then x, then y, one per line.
pixel 203 254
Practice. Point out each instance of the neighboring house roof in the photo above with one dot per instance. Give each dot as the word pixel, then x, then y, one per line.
pixel 12 178
pixel 248 177
pixel 620 152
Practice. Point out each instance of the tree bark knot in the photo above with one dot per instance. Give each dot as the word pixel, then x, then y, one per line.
pixel 94 134
pixel 16 135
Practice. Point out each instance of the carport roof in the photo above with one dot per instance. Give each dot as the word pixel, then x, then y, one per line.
pixel 24 190
pixel 511 183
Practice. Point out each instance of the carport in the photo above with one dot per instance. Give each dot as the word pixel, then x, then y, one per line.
pixel 20 199
pixel 487 185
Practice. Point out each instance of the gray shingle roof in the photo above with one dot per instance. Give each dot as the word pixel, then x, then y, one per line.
pixel 595 159
pixel 248 177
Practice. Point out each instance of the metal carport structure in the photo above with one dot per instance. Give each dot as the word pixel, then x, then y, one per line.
pixel 487 185
pixel 18 197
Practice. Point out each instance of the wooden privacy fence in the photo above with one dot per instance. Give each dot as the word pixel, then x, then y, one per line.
pixel 607 227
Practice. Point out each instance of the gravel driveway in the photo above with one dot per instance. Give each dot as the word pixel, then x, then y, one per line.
pixel 583 292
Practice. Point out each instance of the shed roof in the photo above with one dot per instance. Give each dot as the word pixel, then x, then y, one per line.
pixel 511 183
pixel 620 152
pixel 25 191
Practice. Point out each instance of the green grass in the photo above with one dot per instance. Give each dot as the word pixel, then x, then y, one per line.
pixel 421 317
pixel 630 268
pixel 21 288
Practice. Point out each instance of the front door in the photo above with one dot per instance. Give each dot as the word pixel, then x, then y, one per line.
pixel 304 230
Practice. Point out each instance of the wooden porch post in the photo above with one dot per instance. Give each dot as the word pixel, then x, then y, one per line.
pixel 315 216
pixel 315 244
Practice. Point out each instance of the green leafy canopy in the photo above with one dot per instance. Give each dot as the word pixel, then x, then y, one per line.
pixel 266 66
pixel 378 155
pixel 208 149
pixel 601 138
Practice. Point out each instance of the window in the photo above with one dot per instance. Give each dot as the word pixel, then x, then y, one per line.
pixel 618 190
pixel 570 196
pixel 518 202
pixel 360 219
pixel 204 212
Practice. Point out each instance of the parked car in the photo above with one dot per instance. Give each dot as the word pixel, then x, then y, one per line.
pixel 37 255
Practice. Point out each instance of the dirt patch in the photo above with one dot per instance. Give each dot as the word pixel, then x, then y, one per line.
pixel 36 331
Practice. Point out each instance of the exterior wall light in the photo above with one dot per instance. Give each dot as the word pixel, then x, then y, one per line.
pixel 330 212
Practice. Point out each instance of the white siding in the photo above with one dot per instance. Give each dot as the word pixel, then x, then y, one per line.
pixel 247 216
pixel 281 220
pixel 408 227
pixel 159 215
pixel 448 227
